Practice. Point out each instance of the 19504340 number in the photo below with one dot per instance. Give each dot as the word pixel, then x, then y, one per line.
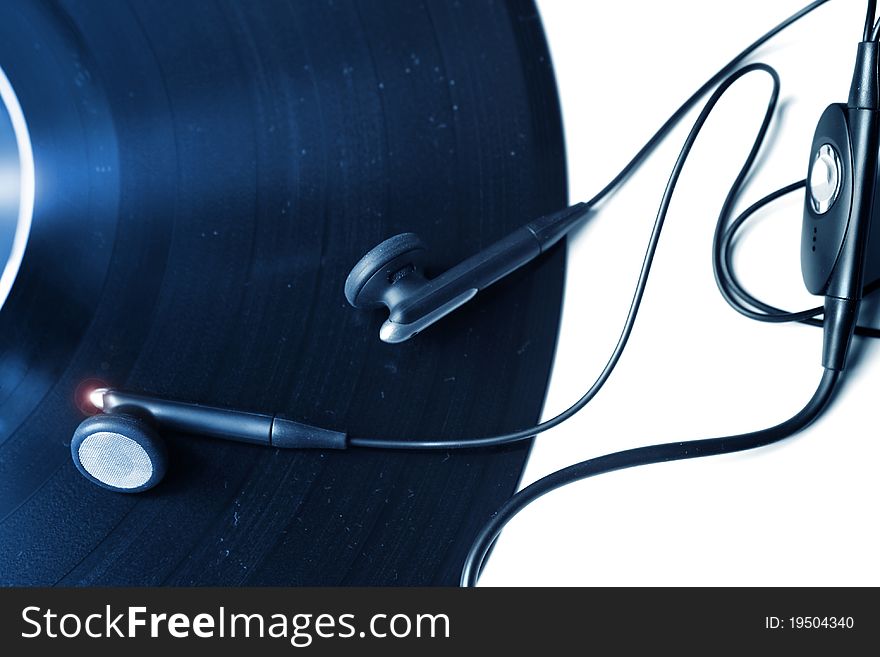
pixel 809 622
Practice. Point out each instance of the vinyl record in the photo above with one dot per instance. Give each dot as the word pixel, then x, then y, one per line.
pixel 207 173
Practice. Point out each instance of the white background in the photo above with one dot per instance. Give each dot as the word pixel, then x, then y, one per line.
pixel 800 513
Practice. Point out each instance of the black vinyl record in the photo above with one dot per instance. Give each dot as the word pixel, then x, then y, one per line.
pixel 207 173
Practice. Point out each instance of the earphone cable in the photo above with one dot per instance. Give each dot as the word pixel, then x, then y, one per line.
pixel 746 303
pixel 637 457
pixel 870 31
pixel 735 295
pixel 727 283
pixel 688 104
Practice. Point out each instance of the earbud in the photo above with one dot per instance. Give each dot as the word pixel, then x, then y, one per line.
pixel 839 205
pixel 392 273
pixel 119 452
pixel 120 449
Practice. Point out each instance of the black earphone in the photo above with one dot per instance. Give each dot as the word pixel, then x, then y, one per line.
pixel 120 448
pixel 392 275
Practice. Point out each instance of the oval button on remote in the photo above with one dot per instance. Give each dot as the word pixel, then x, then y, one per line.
pixel 825 177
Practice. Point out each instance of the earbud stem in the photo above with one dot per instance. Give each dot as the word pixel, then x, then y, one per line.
pixel 551 228
pixel 430 300
pixel 223 423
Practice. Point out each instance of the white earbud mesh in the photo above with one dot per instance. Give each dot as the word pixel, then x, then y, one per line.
pixel 115 460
